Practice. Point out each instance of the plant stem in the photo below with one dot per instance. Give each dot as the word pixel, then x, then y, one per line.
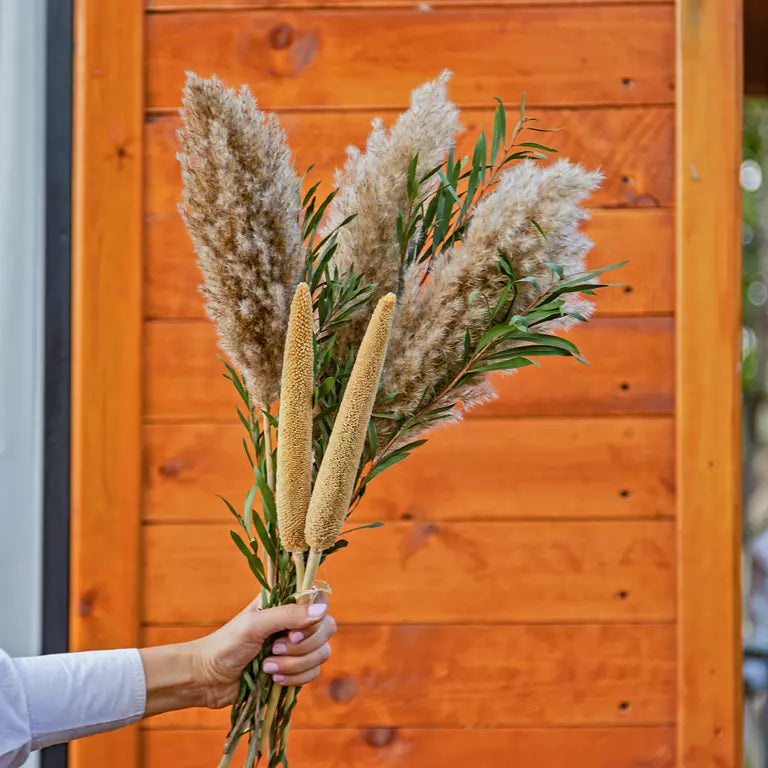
pixel 270 482
pixel 269 717
pixel 313 563
pixel 252 746
pixel 298 561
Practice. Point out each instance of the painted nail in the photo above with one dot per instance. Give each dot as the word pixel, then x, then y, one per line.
pixel 270 667
pixel 317 609
pixel 296 637
pixel 278 678
pixel 279 649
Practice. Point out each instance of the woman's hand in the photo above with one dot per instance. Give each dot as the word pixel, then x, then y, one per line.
pixel 206 672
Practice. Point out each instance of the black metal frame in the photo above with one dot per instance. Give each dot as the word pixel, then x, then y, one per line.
pixel 56 413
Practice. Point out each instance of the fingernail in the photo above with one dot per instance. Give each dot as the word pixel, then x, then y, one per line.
pixel 278 678
pixel 270 667
pixel 317 609
pixel 296 637
pixel 279 649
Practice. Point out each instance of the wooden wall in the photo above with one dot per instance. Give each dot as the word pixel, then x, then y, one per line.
pixel 520 606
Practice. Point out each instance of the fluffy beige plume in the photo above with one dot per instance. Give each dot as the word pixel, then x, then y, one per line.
pixel 430 325
pixel 373 185
pixel 241 206
pixel 294 437
pixel 336 477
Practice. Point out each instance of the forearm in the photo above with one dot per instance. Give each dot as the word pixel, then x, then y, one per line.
pixel 169 671
pixel 78 694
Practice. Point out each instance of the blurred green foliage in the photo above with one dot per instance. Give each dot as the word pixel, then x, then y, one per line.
pixel 755 241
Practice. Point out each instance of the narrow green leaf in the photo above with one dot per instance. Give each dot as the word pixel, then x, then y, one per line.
pixel 234 512
pixel 261 532
pixel 267 498
pixel 534 145
pixel 362 527
pixel 249 503
pixel 518 362
pixel 413 183
pixel 373 443
pixel 241 545
pixel 499 130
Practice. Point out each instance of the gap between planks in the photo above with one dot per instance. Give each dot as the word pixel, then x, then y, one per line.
pixel 155 113
pixel 212 422
pixel 145 728
pixel 619 622
pixel 393 5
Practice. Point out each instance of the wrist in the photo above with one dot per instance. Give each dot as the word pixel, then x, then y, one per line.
pixel 169 671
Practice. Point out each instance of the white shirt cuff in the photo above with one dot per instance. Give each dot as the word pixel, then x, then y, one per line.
pixel 72 695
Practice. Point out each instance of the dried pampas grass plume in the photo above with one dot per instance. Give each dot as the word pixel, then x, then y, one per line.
pixel 431 324
pixel 241 206
pixel 373 187
pixel 294 437
pixel 336 477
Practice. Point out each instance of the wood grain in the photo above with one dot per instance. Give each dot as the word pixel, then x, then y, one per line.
pixel 343 58
pixel 708 383
pixel 563 468
pixel 106 344
pixel 632 147
pixel 643 238
pixel 631 372
pixel 479 677
pixel 430 572
pixel 376 747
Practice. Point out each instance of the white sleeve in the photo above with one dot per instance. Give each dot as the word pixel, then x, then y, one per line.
pixel 71 695
pixel 15 735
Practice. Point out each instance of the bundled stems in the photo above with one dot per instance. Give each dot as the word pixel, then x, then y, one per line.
pixel 487 262
pixel 270 563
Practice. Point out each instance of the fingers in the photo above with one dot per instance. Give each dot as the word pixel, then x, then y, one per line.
pixel 296 657
pixel 298 643
pixel 297 670
pixel 263 623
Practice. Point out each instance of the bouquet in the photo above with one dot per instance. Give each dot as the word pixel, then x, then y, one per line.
pixel 372 314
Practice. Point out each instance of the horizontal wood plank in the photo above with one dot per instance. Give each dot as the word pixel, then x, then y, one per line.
pixel 479 676
pixel 435 573
pixel 226 5
pixel 377 747
pixel 563 468
pixel 631 372
pixel 343 58
pixel 643 238
pixel 632 146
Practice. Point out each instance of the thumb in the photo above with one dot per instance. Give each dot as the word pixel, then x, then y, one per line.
pixel 283 617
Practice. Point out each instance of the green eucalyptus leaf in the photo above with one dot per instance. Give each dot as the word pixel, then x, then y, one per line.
pixel 362 527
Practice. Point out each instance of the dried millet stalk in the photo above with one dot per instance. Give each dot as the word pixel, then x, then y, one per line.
pixel 336 477
pixel 294 437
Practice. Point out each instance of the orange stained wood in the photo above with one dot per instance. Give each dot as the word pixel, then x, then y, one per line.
pixel 631 371
pixel 373 747
pixel 182 5
pixel 709 382
pixel 549 675
pixel 644 238
pixel 590 467
pixel 546 532
pixel 106 351
pixel 436 572
pixel 344 59
pixel 632 146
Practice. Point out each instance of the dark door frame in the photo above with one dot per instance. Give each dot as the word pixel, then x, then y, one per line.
pixel 56 397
